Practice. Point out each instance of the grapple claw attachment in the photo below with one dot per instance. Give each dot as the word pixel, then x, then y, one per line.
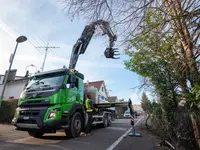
pixel 116 58
pixel 111 52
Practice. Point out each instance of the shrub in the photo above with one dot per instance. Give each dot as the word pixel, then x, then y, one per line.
pixel 7 110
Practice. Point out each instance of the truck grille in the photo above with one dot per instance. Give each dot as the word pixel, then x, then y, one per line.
pixel 29 113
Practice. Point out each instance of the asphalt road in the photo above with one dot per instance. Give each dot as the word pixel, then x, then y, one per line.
pixel 110 138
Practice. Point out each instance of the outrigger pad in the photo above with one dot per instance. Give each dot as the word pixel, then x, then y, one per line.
pixel 135 134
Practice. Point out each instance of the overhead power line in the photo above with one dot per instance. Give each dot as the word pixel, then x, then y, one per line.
pixel 46 51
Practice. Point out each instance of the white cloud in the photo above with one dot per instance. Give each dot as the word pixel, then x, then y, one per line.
pixel 6 29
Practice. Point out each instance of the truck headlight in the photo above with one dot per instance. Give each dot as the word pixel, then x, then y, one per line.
pixel 52 113
pixel 23 94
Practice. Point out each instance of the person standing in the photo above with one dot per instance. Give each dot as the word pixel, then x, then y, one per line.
pixel 131 111
pixel 89 108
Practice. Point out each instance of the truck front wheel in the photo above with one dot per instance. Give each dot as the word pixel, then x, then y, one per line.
pixel 36 133
pixel 75 125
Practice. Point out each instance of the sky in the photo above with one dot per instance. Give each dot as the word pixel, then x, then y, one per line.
pixel 45 21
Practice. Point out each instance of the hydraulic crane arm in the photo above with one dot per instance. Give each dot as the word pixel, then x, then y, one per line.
pixel 82 43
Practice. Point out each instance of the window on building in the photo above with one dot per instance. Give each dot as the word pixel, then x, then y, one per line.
pixel 102 89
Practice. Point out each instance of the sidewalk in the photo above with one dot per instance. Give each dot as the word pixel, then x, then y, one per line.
pixel 147 141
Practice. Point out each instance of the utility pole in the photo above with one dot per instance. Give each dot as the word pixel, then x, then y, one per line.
pixel 46 51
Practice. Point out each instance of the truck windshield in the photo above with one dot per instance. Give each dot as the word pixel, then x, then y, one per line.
pixel 45 81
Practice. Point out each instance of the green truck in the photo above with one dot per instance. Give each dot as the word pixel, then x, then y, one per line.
pixel 54 100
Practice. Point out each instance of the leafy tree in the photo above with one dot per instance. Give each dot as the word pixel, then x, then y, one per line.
pixel 154 58
pixel 146 104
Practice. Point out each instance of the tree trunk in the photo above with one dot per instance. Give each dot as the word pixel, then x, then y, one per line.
pixel 195 129
pixel 179 25
pixel 183 84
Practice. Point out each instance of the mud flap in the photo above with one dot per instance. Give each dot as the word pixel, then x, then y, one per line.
pixel 86 119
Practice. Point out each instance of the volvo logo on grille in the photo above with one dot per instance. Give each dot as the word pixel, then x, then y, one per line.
pixel 34 95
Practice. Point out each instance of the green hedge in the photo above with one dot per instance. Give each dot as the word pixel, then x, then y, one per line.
pixel 7 110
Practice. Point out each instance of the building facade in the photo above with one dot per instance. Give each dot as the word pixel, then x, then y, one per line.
pixel 14 87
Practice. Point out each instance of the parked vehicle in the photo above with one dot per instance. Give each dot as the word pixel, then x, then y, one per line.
pixel 127 114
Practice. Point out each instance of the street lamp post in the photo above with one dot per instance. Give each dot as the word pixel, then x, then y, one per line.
pixel 20 39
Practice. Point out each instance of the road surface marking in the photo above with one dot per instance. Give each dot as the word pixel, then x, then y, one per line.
pixel 121 138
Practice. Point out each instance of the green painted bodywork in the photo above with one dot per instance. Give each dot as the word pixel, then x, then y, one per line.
pixel 63 99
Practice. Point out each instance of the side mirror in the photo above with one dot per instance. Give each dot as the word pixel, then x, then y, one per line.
pixel 67 86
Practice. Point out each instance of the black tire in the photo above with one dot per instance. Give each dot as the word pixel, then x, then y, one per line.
pixel 109 120
pixel 75 126
pixel 105 121
pixel 36 133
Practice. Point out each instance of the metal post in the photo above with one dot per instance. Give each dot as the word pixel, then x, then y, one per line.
pixel 6 75
pixel 45 56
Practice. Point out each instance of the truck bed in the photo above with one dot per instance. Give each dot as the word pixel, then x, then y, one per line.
pixel 109 105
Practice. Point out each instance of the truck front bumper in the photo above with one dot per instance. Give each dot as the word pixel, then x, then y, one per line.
pixel 32 118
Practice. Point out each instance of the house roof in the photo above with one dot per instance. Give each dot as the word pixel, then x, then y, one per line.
pixel 112 99
pixel 96 84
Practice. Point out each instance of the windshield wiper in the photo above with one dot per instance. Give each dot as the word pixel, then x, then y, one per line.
pixel 46 87
pixel 36 83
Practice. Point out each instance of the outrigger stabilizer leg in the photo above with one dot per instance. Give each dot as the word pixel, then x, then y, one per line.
pixel 132 133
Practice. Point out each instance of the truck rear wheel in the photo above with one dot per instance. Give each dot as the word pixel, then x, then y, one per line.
pixel 36 133
pixel 109 120
pixel 75 126
pixel 105 121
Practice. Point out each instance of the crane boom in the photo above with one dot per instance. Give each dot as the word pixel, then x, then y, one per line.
pixel 81 45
